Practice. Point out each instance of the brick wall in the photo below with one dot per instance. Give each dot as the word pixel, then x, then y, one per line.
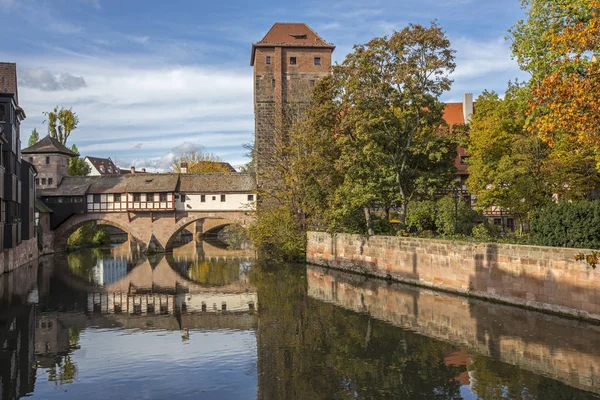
pixel 24 253
pixel 280 83
pixel 543 278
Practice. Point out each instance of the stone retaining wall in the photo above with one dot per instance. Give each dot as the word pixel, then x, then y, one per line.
pixel 543 278
pixel 24 253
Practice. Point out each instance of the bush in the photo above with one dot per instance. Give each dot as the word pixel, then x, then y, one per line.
pixel 88 235
pixel 421 216
pixel 568 225
pixel 482 232
pixel 454 218
pixel 235 235
pixel 101 236
pixel 276 235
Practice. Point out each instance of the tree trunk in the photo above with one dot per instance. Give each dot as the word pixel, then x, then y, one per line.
pixel 403 209
pixel 369 220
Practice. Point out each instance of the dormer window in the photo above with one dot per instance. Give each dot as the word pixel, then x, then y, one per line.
pixel 299 35
pixel 102 168
pixel 268 59
pixel 109 170
pixel 292 60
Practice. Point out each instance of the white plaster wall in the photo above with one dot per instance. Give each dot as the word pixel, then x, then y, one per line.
pixel 93 170
pixel 233 202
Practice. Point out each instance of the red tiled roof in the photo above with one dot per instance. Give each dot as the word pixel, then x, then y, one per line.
pixel 453 114
pixel 291 34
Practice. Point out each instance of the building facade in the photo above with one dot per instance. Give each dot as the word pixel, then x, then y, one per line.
pixel 51 159
pixel 17 192
pixel 289 59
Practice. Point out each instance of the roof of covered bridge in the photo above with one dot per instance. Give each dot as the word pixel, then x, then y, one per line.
pixel 153 183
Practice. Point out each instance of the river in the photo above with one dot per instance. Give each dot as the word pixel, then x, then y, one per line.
pixel 207 322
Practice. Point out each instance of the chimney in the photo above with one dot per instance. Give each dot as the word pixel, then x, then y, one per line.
pixel 468 107
pixel 183 167
pixel 144 170
pixel 132 169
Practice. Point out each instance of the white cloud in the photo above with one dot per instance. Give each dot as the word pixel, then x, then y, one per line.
pixel 136 107
pixel 38 78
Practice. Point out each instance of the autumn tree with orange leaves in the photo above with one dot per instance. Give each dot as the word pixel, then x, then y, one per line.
pixel 558 45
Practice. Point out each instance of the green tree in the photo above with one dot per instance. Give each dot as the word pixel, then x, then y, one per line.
pixel 61 122
pixel 296 172
pixel 506 163
pixel 391 113
pixel 77 165
pixel 34 138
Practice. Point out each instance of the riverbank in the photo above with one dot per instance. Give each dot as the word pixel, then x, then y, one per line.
pixel 542 278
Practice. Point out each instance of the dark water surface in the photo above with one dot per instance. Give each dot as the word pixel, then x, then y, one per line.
pixel 209 323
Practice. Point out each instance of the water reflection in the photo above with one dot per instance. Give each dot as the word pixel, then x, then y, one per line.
pixel 202 322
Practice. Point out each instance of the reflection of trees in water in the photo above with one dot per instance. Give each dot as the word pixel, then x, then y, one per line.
pixel 63 370
pixel 309 349
pixel 495 380
pixel 214 273
pixel 82 263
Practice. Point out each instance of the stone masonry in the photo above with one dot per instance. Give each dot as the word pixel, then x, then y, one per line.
pixel 543 278
pixel 156 233
pixel 278 81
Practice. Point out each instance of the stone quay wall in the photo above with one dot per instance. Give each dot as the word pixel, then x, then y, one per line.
pixel 542 278
pixel 23 254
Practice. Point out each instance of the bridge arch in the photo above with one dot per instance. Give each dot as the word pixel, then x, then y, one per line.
pixel 208 223
pixel 67 228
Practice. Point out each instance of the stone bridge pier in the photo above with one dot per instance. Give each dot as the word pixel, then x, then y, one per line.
pixel 154 232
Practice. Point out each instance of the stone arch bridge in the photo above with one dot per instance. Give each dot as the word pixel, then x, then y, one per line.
pixel 152 232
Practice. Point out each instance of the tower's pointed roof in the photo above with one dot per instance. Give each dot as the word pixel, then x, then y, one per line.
pixel 291 34
pixel 49 145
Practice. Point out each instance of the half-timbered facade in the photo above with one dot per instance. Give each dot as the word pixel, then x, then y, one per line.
pixel 152 194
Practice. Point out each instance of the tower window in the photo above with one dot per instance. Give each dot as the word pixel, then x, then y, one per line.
pixel 49 181
pixel 203 198
pixel 136 197
pixel 250 197
pixel 292 60
pixel 43 181
pixel 96 198
pixel 47 160
pixel 268 59
pixel 3 113
pixel 222 198
pixel 117 198
pixel 317 60
pixel 311 83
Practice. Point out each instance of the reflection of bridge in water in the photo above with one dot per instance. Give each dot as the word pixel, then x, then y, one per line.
pixel 562 349
pixel 166 285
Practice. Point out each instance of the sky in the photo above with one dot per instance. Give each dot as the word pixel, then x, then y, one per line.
pixel 151 79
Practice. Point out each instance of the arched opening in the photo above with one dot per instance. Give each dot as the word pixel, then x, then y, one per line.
pixel 83 232
pixel 201 228
pixel 96 233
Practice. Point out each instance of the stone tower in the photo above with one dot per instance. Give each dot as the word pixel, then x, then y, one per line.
pixel 289 58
